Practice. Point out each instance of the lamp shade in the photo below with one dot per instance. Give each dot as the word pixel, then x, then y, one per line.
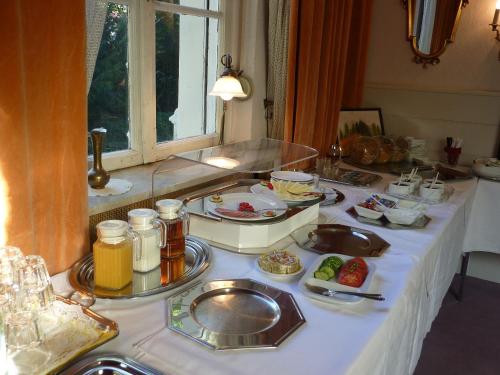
pixel 227 87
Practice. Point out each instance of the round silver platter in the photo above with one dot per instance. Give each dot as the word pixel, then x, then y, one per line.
pixel 198 257
pixel 234 314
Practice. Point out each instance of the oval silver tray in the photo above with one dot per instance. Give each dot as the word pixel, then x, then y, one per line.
pixel 198 257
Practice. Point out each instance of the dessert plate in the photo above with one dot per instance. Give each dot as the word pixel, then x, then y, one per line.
pixel 229 207
pixel 292 176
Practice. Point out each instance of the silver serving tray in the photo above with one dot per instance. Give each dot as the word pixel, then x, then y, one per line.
pixel 198 258
pixel 352 177
pixel 383 222
pixel 340 239
pixel 115 364
pixel 234 314
pixel 195 202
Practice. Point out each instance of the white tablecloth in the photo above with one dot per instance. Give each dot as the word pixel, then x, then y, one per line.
pixel 369 338
pixel 483 232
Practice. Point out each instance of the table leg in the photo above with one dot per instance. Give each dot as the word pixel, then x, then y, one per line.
pixel 463 273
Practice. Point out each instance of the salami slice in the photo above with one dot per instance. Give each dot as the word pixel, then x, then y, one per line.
pixel 236 214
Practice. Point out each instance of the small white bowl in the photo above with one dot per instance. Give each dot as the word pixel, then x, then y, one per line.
pixel 403 188
pixel 440 184
pixel 366 212
pixel 433 194
pixel 405 216
pixel 414 182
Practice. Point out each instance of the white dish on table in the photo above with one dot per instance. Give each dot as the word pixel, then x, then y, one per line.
pixel 438 183
pixel 259 202
pixel 487 167
pixel 281 276
pixel 331 284
pixel 380 199
pixel 291 199
pixel 431 192
pixel 404 216
pixel 300 177
pixel 400 188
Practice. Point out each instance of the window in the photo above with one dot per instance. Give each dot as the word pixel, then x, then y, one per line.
pixel 157 61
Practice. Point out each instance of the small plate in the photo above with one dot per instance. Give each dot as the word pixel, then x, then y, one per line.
pixel 300 200
pixel 281 276
pixel 331 284
pixel 292 176
pixel 231 201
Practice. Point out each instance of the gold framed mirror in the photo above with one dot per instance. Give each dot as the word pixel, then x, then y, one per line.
pixel 432 24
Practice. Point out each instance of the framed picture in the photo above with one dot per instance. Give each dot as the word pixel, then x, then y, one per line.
pixel 356 122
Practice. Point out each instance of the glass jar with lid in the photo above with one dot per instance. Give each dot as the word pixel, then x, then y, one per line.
pixel 146 255
pixel 113 254
pixel 175 217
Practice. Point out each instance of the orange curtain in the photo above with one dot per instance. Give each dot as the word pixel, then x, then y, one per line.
pixel 43 129
pixel 327 60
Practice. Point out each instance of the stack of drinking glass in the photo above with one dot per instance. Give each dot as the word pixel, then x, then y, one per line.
pixel 25 294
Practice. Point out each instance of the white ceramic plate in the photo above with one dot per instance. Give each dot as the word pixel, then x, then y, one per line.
pixel 264 190
pixel 331 284
pixel 481 168
pixel 281 276
pixel 292 176
pixel 258 201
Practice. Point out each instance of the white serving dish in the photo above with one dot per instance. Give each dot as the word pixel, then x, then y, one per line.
pixel 292 200
pixel 404 216
pixel 433 194
pixel 281 276
pixel 438 183
pixel 403 188
pixel 300 177
pixel 481 168
pixel 259 202
pixel 331 284
pixel 250 238
pixel 366 212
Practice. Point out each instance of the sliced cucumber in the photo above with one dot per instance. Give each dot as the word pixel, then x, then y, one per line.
pixel 328 270
pixel 321 275
pixel 333 262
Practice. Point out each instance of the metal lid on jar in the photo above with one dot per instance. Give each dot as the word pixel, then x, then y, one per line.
pixel 112 228
pixel 142 218
pixel 168 208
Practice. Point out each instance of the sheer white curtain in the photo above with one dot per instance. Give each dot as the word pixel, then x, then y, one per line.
pixel 95 16
pixel 277 63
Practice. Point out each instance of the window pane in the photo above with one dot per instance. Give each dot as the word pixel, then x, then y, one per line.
pixel 186 68
pixel 108 98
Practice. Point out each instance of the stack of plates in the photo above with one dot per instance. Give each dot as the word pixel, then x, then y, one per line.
pixel 299 177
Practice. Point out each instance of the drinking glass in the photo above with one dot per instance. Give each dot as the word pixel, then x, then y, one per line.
pixel 38 293
pixel 10 259
pixel 21 330
pixel 335 154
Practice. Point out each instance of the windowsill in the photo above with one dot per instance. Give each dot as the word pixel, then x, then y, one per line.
pixel 141 178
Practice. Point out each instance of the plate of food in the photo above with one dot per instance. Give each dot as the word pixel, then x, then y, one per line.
pixel 338 273
pixel 280 265
pixel 293 193
pixel 300 177
pixel 246 206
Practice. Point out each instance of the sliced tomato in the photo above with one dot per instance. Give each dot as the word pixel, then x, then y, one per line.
pixel 361 263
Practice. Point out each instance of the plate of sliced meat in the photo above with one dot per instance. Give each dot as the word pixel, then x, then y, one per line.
pixel 247 207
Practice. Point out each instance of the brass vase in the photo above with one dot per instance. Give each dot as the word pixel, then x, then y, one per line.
pixel 97 175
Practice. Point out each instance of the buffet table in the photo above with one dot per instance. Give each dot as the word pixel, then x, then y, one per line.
pixel 369 337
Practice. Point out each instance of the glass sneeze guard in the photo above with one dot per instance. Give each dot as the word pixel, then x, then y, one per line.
pixel 253 156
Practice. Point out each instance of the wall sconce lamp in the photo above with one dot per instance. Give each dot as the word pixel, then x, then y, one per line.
pixel 231 84
pixel 494 24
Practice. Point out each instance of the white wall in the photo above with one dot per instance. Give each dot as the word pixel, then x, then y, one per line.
pixel 246 118
pixel 458 97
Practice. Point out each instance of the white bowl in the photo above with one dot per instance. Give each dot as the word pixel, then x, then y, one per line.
pixel 366 212
pixel 403 188
pixel 433 194
pixel 481 167
pixel 440 184
pixel 405 216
